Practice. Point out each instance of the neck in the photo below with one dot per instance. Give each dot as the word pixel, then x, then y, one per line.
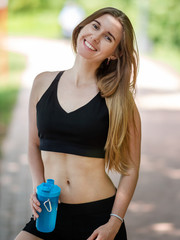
pixel 84 71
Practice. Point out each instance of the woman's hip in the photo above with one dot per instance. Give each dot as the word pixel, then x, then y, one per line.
pixel 78 221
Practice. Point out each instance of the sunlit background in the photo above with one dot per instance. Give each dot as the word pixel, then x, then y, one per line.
pixel 35 36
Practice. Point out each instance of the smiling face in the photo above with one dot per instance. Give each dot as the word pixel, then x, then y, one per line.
pixel 99 39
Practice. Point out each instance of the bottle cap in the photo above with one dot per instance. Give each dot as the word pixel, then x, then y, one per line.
pixel 48 189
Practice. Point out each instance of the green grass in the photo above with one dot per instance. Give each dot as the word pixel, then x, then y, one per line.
pixel 9 88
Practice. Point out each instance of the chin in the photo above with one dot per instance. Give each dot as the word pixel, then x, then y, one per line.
pixel 84 54
pixel 85 57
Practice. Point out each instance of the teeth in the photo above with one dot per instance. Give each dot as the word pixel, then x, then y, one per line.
pixel 89 46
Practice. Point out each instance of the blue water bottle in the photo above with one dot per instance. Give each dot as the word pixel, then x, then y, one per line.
pixel 48 195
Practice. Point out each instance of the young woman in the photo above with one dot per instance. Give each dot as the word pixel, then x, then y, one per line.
pixel 83 121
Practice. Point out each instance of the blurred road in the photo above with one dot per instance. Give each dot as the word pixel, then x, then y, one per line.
pixel 154 211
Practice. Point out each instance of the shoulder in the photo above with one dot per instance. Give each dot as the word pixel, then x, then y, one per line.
pixel 44 78
pixel 41 83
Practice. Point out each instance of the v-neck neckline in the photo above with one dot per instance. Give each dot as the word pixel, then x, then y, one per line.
pixel 77 109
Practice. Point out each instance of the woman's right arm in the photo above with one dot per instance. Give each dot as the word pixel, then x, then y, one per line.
pixel 34 154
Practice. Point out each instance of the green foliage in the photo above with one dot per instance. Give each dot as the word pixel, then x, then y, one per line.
pixel 29 5
pixel 7 97
pixel 19 5
pixel 35 23
pixel 164 26
pixel 89 7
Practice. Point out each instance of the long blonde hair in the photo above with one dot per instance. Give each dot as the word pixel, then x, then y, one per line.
pixel 116 82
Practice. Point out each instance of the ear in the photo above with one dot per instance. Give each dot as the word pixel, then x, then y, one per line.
pixel 112 57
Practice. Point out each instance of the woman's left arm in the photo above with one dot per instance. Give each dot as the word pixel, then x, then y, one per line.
pixel 126 186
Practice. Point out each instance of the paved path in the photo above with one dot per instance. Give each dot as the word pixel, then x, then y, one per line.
pixel 154 211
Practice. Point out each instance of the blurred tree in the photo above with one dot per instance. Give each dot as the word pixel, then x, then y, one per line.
pixel 164 28
pixel 93 5
pixel 23 5
pixel 89 6
pixel 28 5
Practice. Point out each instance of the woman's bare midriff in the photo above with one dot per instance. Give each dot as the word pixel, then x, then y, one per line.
pixel 81 179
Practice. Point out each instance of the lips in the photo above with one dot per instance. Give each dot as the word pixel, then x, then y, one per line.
pixel 89 45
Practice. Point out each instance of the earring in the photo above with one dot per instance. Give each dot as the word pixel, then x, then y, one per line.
pixel 108 61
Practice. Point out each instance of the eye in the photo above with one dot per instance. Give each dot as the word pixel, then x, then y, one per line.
pixel 95 26
pixel 108 38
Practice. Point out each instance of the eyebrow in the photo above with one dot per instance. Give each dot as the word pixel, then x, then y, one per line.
pixel 108 32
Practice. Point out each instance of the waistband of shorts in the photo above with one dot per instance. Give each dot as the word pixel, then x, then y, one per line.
pixel 99 206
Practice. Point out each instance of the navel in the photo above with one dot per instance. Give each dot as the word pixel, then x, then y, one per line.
pixel 68 182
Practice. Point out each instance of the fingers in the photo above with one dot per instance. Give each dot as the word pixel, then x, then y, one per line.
pixel 93 236
pixel 35 200
pixel 35 205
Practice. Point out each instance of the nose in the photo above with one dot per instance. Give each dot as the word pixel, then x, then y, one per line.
pixel 95 37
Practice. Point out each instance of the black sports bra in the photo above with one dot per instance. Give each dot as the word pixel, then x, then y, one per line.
pixel 81 132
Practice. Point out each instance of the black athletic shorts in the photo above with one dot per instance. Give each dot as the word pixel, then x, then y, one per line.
pixel 78 221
